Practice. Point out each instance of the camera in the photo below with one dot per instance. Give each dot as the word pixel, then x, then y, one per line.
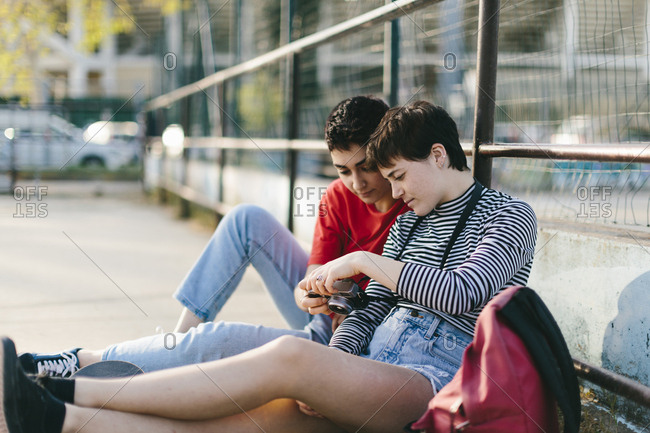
pixel 349 297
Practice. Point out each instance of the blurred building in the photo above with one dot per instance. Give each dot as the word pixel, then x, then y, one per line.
pixel 122 63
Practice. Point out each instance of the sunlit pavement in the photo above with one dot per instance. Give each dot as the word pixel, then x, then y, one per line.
pixel 90 263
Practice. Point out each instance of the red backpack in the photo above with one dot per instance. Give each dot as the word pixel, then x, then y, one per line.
pixel 513 374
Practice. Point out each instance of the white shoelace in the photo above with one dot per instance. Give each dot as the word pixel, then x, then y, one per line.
pixel 66 366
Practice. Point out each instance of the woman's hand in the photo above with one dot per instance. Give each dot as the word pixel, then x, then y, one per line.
pixel 384 270
pixel 321 279
pixel 313 305
pixel 305 303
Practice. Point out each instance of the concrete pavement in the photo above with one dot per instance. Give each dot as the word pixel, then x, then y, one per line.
pixel 89 263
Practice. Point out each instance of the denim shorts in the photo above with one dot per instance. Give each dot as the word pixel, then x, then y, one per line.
pixel 420 341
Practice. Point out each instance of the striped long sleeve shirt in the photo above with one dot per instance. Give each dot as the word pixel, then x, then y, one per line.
pixel 494 251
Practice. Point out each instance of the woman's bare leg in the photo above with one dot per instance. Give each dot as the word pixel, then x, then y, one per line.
pixel 346 389
pixel 187 321
pixel 279 416
pixel 105 421
pixel 87 357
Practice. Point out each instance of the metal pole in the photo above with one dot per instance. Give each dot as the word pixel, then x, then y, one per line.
pixel 604 152
pixel 13 168
pixel 611 381
pixel 293 110
pixel 394 63
pixel 391 61
pixel 184 210
pixel 222 151
pixel 486 84
pixel 161 121
pixel 293 65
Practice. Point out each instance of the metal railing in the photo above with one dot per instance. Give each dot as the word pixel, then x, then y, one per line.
pixel 482 149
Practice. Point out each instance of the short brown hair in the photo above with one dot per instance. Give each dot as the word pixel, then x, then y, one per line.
pixel 352 121
pixel 410 131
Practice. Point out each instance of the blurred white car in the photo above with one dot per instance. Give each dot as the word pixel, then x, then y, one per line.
pixel 37 139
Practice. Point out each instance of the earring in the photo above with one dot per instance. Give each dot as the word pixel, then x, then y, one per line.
pixel 443 161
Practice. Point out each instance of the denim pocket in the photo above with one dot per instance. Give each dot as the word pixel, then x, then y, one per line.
pixel 448 346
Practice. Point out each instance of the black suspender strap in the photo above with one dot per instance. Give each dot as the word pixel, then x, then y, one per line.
pixel 471 204
pixel 415 225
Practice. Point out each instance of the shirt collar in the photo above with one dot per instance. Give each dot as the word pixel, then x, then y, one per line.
pixel 456 205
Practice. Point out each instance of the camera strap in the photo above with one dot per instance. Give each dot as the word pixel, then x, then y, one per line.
pixel 469 208
pixel 460 225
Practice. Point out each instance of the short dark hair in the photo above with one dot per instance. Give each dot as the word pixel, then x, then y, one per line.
pixel 352 121
pixel 410 131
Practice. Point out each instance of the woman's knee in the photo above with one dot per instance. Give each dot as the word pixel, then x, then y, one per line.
pixel 292 350
pixel 246 213
pixel 240 224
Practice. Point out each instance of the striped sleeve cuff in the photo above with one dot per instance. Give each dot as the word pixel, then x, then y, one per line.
pixel 411 280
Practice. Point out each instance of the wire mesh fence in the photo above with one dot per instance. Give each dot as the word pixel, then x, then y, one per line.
pixel 570 72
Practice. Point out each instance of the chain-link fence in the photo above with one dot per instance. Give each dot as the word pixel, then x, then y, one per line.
pixel 569 73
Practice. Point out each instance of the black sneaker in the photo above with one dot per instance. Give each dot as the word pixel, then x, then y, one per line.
pixel 26 407
pixel 61 364
pixel 61 388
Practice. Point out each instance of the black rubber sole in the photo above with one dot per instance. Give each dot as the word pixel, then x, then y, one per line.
pixel 8 359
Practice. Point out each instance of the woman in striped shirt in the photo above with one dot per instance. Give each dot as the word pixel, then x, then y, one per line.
pixel 426 293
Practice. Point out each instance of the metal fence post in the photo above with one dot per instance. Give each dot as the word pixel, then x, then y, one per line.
pixel 391 60
pixel 161 121
pixel 486 84
pixel 293 98
pixel 184 209
pixel 293 66
pixel 222 151
pixel 13 168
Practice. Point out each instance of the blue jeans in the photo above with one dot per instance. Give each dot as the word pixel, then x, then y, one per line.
pixel 422 342
pixel 246 235
pixel 207 342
